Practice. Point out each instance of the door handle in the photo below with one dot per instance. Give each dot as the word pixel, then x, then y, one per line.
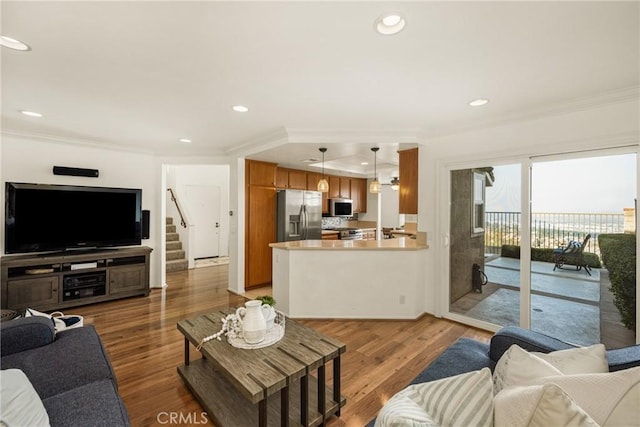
pixel 305 232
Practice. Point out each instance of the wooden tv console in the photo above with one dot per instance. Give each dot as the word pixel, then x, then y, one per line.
pixel 49 282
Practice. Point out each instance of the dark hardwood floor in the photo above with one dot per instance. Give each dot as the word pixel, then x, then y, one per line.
pixel 145 349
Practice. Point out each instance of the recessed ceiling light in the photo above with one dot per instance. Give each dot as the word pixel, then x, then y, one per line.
pixel 185 140
pixel 30 113
pixel 240 108
pixel 13 43
pixel 364 163
pixel 478 102
pixel 390 23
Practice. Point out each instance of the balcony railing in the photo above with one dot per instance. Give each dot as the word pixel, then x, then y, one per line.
pixel 549 230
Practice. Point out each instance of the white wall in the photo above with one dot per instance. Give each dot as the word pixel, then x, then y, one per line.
pixel 24 159
pixel 204 175
pixel 390 207
pixel 31 161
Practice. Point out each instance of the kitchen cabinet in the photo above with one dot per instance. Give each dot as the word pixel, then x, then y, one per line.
pixel 369 234
pixel 330 236
pixel 291 178
pixel 359 194
pixel 334 186
pixel 345 188
pixel 260 223
pixel 282 177
pixel 408 197
pixel 312 180
pixel 312 184
pixel 298 179
pixel 260 173
pixel 339 187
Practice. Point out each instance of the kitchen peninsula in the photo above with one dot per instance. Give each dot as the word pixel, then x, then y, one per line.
pixel 364 279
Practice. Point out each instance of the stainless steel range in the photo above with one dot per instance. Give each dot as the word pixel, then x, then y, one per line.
pixel 348 233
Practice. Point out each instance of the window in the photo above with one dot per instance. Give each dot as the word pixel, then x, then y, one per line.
pixel 477 216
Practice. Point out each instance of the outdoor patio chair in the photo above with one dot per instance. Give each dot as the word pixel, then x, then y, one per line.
pixel 572 254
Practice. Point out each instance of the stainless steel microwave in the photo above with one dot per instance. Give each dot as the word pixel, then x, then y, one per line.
pixel 341 207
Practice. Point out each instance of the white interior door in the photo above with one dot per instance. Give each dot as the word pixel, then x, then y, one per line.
pixel 204 207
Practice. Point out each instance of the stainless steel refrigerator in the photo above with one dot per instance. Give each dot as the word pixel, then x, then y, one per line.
pixel 299 215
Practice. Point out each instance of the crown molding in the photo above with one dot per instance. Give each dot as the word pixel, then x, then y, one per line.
pixel 260 143
pixel 353 136
pixel 578 104
pixel 72 141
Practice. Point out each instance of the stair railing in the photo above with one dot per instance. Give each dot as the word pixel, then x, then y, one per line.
pixel 174 199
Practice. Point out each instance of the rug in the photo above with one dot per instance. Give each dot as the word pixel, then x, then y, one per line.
pixel 210 262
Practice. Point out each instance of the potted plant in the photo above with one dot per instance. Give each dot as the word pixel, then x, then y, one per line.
pixel 267 299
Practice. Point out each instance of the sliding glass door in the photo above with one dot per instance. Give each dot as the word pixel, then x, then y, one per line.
pixel 572 220
pixel 578 208
pixel 485 229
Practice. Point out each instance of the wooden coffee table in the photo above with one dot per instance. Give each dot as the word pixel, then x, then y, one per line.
pixel 240 387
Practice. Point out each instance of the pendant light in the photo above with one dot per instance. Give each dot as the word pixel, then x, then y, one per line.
pixel 375 187
pixel 395 183
pixel 323 185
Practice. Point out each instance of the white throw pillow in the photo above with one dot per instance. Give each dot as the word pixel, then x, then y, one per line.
pixel 520 367
pixel 400 411
pixel 581 360
pixel 538 406
pixel 611 399
pixel 20 404
pixel 461 400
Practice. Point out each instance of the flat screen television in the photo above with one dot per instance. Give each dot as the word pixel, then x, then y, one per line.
pixel 46 217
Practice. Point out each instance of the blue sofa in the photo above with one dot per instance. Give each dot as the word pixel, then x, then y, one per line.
pixel 466 355
pixel 70 371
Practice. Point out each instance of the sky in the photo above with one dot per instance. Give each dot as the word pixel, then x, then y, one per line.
pixel 594 185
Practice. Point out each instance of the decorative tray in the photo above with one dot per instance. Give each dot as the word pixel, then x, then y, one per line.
pixel 272 336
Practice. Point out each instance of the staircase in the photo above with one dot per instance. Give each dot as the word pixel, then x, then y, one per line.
pixel 176 260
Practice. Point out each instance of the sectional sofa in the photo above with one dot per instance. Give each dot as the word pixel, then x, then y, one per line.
pixel 70 372
pixel 509 380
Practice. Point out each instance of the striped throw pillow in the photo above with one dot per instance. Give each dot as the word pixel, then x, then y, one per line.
pixel 461 400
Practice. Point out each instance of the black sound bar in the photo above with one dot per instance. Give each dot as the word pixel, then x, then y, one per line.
pixel 64 170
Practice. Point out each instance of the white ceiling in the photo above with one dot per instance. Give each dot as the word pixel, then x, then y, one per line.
pixel 144 74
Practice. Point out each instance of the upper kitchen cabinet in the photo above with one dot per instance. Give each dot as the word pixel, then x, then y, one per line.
pixel 359 194
pixel 297 179
pixel 408 196
pixel 282 177
pixel 345 188
pixel 339 187
pixel 312 184
pixel 291 178
pixel 261 173
pixel 312 180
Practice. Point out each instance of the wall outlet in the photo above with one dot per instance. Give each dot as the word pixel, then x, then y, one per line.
pixel 402 299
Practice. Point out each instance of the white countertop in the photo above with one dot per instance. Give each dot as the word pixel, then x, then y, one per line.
pixel 402 244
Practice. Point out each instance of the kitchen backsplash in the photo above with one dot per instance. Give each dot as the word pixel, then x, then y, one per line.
pixel 334 222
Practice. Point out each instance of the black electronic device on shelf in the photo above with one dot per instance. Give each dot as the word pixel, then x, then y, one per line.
pixel 47 217
pixel 84 285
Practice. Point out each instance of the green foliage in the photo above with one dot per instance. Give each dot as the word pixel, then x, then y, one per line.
pixel 267 299
pixel 619 256
pixel 546 255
